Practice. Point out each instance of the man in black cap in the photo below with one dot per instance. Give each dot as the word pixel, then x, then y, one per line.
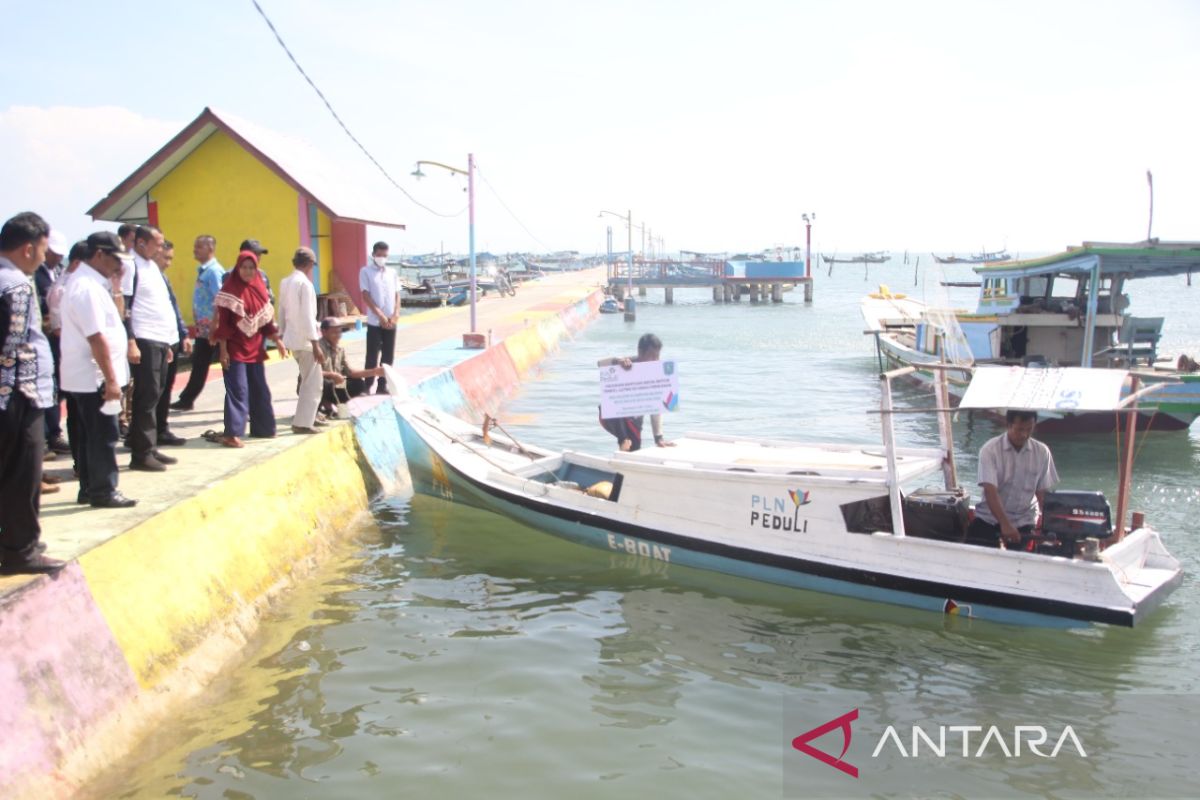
pixel 255 246
pixel 94 367
pixel 26 390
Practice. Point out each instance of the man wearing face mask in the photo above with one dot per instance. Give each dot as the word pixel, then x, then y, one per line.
pixel 381 295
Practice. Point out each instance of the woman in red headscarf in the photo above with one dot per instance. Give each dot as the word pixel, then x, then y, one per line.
pixel 245 318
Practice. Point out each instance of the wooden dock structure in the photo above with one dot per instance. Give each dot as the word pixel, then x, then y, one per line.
pixel 764 283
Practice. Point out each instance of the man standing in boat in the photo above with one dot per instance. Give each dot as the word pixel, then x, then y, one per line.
pixel 628 430
pixel 1015 471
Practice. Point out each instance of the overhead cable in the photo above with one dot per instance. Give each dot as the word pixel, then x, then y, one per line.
pixel 338 119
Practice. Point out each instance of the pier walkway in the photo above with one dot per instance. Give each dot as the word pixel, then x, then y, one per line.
pixel 728 280
pixel 427 342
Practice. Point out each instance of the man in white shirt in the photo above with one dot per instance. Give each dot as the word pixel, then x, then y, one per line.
pixel 381 295
pixel 1015 471
pixel 94 368
pixel 152 336
pixel 298 325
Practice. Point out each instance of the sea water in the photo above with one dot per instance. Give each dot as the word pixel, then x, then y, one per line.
pixel 451 652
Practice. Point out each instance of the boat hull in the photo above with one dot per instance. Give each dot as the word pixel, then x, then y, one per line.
pixel 437 476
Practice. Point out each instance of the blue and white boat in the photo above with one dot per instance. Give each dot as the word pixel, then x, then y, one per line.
pixel 1064 310
pixel 834 518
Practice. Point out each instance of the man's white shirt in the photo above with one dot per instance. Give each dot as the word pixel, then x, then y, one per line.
pixel 152 315
pixel 298 311
pixel 88 309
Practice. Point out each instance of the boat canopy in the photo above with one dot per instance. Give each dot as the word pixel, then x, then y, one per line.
pixel 1046 389
pixel 1134 260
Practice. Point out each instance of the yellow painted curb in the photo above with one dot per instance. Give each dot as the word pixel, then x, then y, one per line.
pixel 164 585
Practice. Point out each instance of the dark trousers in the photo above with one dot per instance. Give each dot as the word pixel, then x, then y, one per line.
pixel 625 428
pixel 984 534
pixel 380 340
pixel 54 413
pixel 74 428
pixel 247 394
pixel 22 446
pixel 163 409
pixel 96 456
pixel 203 354
pixel 332 395
pixel 149 376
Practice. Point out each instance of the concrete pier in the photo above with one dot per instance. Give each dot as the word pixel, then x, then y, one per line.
pixel 158 599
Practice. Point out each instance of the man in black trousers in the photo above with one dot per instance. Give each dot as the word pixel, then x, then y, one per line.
pixel 209 276
pixel 165 437
pixel 94 367
pixel 26 391
pixel 153 332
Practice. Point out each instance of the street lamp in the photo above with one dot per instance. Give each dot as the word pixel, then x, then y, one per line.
pixel 474 341
pixel 630 304
pixel 808 221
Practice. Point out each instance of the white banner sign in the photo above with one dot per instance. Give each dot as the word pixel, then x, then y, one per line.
pixel 1049 389
pixel 649 387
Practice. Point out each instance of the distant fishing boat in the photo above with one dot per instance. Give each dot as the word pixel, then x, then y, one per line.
pixel 975 258
pixel 877 257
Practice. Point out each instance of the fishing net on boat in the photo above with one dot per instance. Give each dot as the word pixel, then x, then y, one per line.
pixel 942 318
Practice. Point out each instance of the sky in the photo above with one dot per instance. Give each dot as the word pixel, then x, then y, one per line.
pixel 951 126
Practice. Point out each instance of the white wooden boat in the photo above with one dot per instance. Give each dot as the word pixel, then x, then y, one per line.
pixel 827 517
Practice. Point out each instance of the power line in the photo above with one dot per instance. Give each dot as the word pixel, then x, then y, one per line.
pixel 492 189
pixel 338 119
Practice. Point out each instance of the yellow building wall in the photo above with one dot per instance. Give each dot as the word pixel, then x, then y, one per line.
pixel 222 190
pixel 324 251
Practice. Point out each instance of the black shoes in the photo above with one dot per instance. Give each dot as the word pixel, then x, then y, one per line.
pixel 169 439
pixel 163 458
pixel 181 405
pixel 36 564
pixel 58 445
pixel 114 500
pixel 147 464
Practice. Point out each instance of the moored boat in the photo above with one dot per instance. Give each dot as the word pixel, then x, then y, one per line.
pixel 1066 310
pixel 826 517
pixel 877 257
pixel 975 258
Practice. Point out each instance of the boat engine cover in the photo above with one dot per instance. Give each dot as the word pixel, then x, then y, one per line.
pixel 1071 516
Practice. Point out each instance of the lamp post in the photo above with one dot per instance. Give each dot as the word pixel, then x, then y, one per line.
pixel 471 340
pixel 630 303
pixel 808 221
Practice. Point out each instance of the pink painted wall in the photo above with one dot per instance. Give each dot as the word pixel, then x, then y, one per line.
pixel 61 674
pixel 349 256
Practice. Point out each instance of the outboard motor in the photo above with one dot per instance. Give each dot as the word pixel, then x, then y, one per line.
pixel 1070 517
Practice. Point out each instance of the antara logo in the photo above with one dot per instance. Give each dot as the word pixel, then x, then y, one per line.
pixel 801 742
pixel 1033 739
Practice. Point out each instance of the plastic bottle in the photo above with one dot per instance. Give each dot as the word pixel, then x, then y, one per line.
pixel 111 407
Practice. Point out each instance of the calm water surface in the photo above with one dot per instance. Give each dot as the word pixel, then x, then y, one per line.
pixel 454 652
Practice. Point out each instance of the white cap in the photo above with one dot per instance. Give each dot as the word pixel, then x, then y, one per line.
pixel 58 244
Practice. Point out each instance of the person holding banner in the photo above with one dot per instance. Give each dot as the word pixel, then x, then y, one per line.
pixel 628 430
